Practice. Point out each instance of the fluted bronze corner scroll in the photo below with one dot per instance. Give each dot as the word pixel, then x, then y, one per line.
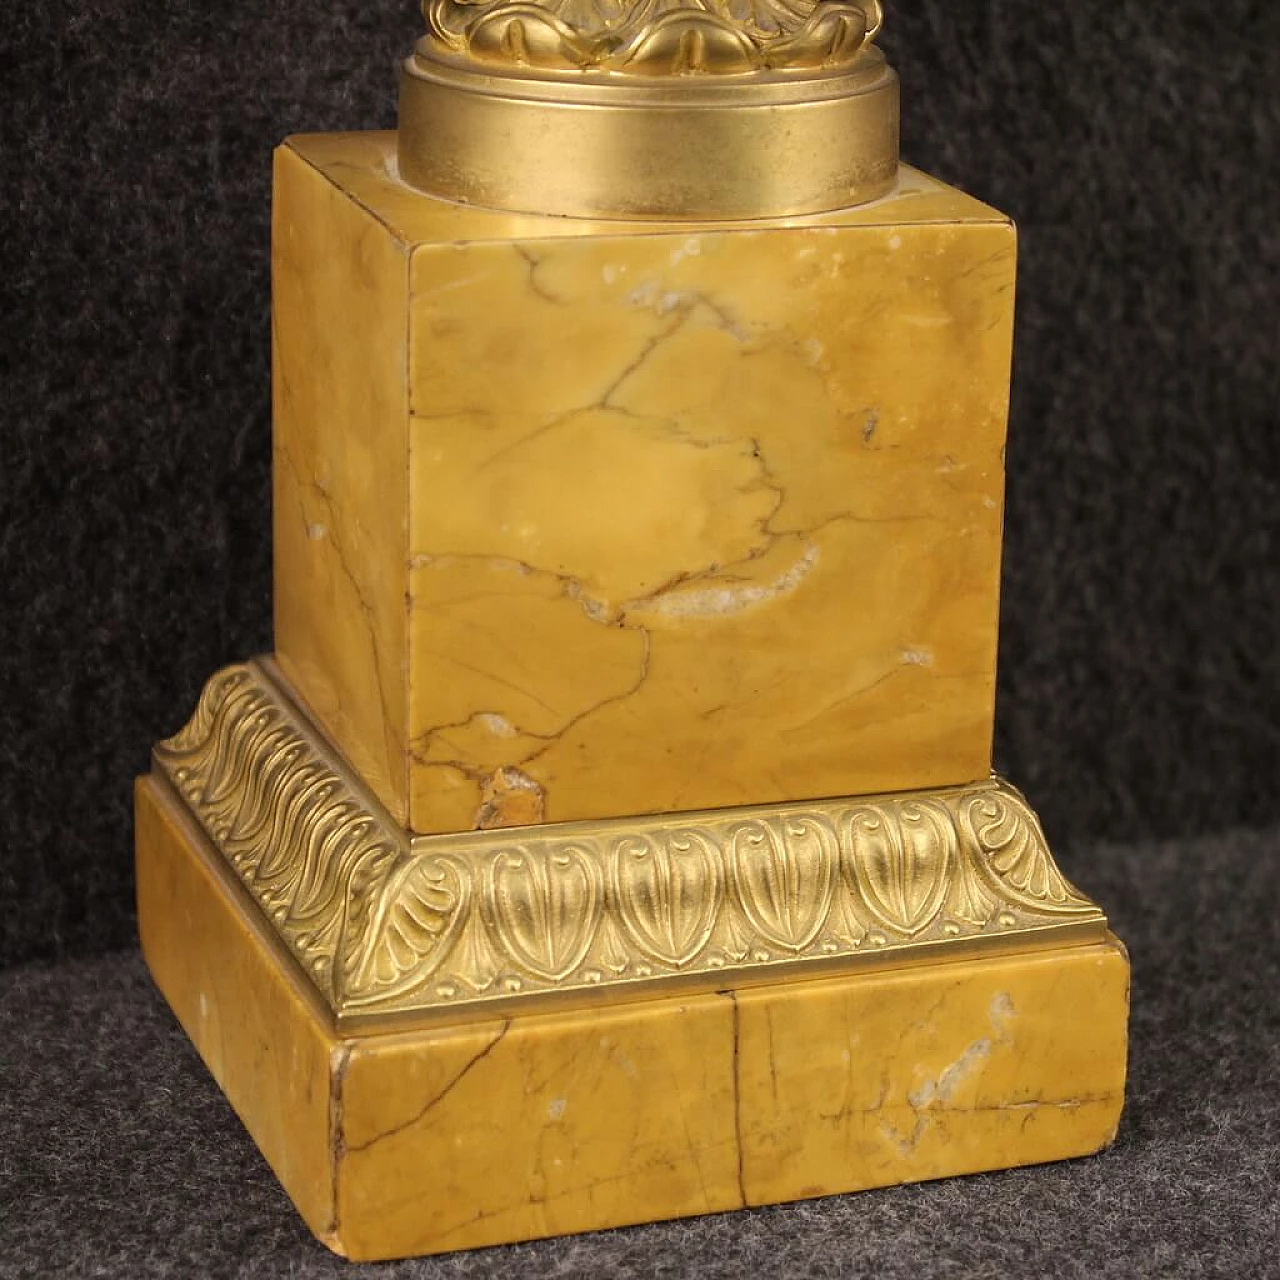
pixel 387 925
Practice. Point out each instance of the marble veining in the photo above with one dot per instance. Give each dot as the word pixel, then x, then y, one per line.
pixel 645 520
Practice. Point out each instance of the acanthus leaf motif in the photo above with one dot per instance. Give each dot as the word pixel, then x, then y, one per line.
pixel 668 887
pixel 476 963
pixel 336 836
pixel 421 907
pixel 297 805
pixel 900 857
pixel 784 872
pixel 277 751
pixel 614 953
pixel 543 904
pixel 226 753
pixel 1011 849
pixel 970 900
pixel 211 704
pixel 385 923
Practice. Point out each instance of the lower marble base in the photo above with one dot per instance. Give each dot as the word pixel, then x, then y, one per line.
pixel 504 1123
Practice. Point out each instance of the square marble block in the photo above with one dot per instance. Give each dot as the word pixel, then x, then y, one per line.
pixel 412 1140
pixel 582 519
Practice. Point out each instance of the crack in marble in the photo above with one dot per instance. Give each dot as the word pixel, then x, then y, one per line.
pixel 303 484
pixel 546 1201
pixel 437 1097
pixel 553 738
pixel 723 601
pixel 484 673
pixel 598 610
pixel 907 1142
pixel 557 420
pixel 933 1095
pixel 518 759
pixel 714 590
pixel 905 663
pixel 684 304
pixel 534 263
pixel 651 294
pixel 572 588
pixel 646 354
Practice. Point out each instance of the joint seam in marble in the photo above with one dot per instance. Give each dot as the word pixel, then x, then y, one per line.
pixel 339 1065
pixel 739 1150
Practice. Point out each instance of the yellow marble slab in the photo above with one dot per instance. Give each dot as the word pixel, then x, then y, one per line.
pixel 497 1129
pixel 259 1029
pixel 597 519
pixel 340 445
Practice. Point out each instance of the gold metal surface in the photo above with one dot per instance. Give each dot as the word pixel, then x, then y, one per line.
pixel 393 927
pixel 655 37
pixel 651 109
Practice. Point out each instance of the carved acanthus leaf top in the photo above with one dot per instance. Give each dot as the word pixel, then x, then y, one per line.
pixel 657 37
pixel 385 924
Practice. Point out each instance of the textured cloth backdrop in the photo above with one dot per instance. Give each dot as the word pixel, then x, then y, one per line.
pixel 1134 143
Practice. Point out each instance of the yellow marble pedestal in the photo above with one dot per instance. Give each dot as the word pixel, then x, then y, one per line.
pixel 450 1041
pixel 612 834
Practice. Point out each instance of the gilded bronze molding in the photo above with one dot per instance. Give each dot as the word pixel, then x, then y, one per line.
pixel 390 925
pixel 687 148
pixel 672 109
pixel 657 37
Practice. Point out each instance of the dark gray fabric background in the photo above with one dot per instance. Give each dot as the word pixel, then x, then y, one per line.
pixel 1136 144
